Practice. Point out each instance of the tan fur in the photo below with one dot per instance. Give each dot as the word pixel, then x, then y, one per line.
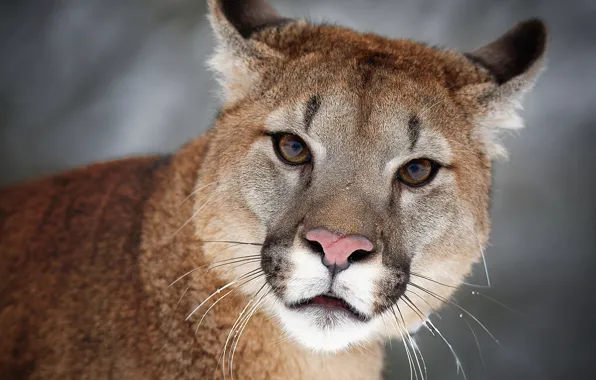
pixel 81 299
pixel 101 266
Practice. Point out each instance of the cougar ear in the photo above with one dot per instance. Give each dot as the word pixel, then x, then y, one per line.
pixel 238 58
pixel 514 61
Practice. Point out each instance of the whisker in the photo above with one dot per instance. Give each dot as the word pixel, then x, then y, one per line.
pixel 387 328
pixel 485 266
pixel 414 308
pixel 194 214
pixel 415 346
pixel 229 242
pixel 446 285
pixel 179 300
pixel 474 285
pixel 408 335
pixel 285 339
pixel 426 302
pixel 236 323
pixel 474 293
pixel 220 289
pixel 220 263
pixel 409 356
pixel 254 277
pixel 457 361
pixel 477 345
pixel 174 310
pixel 223 354
pixel 460 308
pixel 253 311
pixel 216 262
pixel 238 333
pixel 196 191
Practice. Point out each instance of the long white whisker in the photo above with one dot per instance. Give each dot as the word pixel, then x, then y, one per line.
pixel 460 308
pixel 474 293
pixel 447 285
pixel 230 242
pixel 219 290
pixel 409 356
pixel 483 262
pixel 255 276
pixel 217 264
pixel 253 311
pixel 388 328
pixel 223 354
pixel 408 335
pixel 474 285
pixel 234 326
pixel 426 302
pixel 477 343
pixel 180 299
pixel 194 214
pixel 196 191
pixel 415 346
pixel 282 340
pixel 414 308
pixel 457 361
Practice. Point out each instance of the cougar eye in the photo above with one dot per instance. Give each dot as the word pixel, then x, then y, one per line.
pixel 417 172
pixel 291 149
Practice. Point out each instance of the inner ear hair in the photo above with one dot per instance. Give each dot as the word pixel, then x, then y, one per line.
pixel 249 16
pixel 514 53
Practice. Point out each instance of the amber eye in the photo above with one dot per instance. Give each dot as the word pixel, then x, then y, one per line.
pixel 417 172
pixel 291 148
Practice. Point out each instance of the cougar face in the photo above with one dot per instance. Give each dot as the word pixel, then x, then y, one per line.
pixel 359 165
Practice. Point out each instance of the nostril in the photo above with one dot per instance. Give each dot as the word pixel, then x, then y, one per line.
pixel 358 255
pixel 316 247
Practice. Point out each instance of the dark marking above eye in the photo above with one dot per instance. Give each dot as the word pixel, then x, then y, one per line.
pixel 312 107
pixel 413 130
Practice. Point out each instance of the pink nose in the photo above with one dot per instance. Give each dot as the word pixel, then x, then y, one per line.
pixel 336 248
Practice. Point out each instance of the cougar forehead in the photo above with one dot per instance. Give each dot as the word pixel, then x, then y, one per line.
pixel 388 129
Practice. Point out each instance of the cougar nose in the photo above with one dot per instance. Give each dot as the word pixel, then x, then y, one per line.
pixel 337 250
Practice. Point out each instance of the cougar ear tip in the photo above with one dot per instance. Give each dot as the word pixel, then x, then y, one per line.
pixel 536 32
pixel 245 16
pixel 516 52
pixel 514 60
pixel 233 23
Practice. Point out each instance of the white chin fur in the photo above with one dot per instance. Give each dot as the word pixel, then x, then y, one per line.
pixel 315 332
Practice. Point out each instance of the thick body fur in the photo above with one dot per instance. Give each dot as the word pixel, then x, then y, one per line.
pixel 85 272
pixel 204 264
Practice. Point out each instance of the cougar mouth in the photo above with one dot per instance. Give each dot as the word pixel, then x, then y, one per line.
pixel 330 303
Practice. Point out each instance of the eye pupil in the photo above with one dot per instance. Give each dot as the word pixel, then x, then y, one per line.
pixel 294 148
pixel 417 172
pixel 414 168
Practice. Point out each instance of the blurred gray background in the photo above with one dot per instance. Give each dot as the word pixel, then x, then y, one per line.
pixel 87 80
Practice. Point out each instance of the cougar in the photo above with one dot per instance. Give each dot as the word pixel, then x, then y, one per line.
pixel 339 199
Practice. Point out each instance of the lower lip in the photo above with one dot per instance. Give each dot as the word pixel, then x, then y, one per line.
pixel 332 305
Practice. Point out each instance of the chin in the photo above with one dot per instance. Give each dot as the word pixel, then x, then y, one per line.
pixel 326 324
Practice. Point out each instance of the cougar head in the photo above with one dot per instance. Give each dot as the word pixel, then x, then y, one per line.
pixel 358 165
